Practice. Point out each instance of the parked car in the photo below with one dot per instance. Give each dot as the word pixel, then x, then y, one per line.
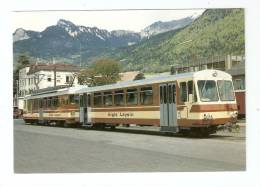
pixel 15 113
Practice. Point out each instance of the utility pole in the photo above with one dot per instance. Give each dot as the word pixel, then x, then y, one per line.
pixel 54 72
pixel 79 54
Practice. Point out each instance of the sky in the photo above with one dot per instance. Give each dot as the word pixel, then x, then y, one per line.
pixel 133 20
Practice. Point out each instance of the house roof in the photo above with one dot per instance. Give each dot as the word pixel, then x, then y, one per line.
pixel 50 67
pixel 128 76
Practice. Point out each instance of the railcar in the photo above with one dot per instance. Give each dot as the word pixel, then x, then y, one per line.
pixel 240 97
pixel 196 102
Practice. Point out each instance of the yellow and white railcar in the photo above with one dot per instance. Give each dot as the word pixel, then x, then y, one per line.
pixel 196 101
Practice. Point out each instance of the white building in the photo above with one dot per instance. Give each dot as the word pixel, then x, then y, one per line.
pixel 39 76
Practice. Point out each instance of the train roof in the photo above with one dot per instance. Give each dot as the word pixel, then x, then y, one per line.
pixel 204 74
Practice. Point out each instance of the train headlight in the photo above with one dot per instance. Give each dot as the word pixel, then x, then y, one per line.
pixel 234 114
pixel 207 116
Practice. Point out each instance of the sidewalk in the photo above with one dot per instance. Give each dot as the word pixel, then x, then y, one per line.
pixel 241 123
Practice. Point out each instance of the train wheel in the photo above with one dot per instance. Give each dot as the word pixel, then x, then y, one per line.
pixel 112 127
pixel 66 125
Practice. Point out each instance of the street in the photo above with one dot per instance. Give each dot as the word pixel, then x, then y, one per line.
pixel 43 149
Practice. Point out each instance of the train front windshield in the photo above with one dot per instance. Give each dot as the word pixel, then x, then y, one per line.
pixel 211 90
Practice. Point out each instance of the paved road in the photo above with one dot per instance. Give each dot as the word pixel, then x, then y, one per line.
pixel 40 149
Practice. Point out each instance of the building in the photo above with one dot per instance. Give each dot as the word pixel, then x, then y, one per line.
pixel 223 63
pixel 40 76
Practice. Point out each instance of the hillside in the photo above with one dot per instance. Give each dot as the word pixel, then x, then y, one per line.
pixel 215 32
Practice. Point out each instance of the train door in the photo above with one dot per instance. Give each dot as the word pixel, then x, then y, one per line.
pixel 168 117
pixel 83 109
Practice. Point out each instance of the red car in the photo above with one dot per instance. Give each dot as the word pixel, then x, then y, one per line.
pixel 16 113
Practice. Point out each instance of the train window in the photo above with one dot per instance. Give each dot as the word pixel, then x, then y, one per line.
pixel 195 95
pixel 190 87
pixel 89 100
pixel 192 91
pixel 49 102
pixel 164 94
pixel 55 101
pixel 173 93
pixel 97 99
pixel 170 94
pixel 161 94
pixel 64 100
pixel 146 96
pixel 183 91
pixel 81 100
pixel 36 104
pixel 119 98
pixel 28 105
pixel 85 100
pixel 108 99
pixel 33 104
pixel 74 99
pixel 40 103
pixel 132 96
pixel 225 89
pixel 207 90
pixel 45 103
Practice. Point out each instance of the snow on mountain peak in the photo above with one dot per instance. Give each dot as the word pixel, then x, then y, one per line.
pixel 20 34
pixel 65 23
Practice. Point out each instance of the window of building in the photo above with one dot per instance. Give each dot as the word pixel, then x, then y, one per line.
pixel 98 99
pixel 49 79
pixel 119 98
pixel 239 84
pixel 108 98
pixel 183 91
pixel 132 96
pixel 146 96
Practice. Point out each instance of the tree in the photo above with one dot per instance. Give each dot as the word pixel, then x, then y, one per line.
pixel 86 77
pixel 100 72
pixel 23 60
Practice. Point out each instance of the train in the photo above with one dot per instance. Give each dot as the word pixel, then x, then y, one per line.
pixel 241 104
pixel 194 102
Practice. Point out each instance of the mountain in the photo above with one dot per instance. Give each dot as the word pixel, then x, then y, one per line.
pixel 217 32
pixel 160 27
pixel 21 34
pixel 66 39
